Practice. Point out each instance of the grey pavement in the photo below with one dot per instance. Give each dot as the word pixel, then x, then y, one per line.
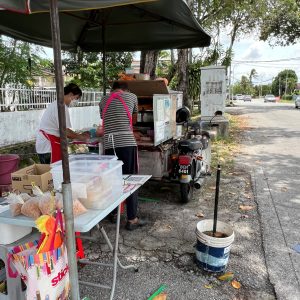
pixel 272 152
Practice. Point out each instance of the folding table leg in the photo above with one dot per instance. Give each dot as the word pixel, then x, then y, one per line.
pixel 112 249
pixel 115 255
pixel 116 260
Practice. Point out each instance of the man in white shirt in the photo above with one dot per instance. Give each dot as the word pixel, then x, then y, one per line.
pixel 48 134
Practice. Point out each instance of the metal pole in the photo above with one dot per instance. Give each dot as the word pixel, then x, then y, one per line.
pixel 103 59
pixel 66 187
pixel 286 78
pixel 229 84
pixel 216 200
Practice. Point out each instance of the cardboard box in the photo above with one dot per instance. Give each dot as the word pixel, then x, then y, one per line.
pixel 37 173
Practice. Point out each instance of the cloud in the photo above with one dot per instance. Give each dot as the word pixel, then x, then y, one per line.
pixel 252 54
pixel 254 51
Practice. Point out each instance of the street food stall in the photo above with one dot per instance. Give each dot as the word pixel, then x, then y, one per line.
pixel 92 27
pixel 98 187
pixel 156 127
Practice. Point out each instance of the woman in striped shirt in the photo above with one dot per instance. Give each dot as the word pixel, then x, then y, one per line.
pixel 117 110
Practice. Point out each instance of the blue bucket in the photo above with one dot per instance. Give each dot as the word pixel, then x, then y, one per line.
pixel 212 253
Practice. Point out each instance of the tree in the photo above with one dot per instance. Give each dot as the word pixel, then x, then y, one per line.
pixel 244 86
pixel 148 62
pixel 19 62
pixel 262 90
pixel 253 74
pixel 239 17
pixel 86 68
pixel 284 82
pixel 281 25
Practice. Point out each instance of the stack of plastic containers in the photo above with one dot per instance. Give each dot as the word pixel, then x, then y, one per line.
pixel 96 179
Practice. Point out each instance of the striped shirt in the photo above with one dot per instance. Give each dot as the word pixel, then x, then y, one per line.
pixel 117 131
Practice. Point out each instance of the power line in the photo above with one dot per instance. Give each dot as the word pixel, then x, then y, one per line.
pixel 271 66
pixel 266 61
pixel 261 81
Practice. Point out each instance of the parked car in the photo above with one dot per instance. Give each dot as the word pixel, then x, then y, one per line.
pixel 247 98
pixel 239 97
pixel 270 98
pixel 297 101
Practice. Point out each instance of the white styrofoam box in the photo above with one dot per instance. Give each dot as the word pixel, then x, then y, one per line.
pixel 11 233
pixel 94 182
pixel 213 90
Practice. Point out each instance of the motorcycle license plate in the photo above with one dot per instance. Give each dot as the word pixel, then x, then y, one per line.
pixel 184 169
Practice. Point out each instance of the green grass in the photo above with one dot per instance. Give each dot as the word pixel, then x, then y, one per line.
pixel 286 101
pixel 225 149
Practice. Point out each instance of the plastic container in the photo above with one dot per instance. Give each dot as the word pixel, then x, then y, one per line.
pixel 212 253
pixel 89 157
pixel 94 182
pixel 11 233
pixel 142 76
pixel 8 164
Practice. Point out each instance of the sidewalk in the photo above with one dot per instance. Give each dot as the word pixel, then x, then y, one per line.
pixel 280 258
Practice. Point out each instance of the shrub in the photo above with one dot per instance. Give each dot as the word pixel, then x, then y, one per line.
pixel 287 97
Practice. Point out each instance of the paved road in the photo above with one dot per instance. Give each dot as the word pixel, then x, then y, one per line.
pixel 272 150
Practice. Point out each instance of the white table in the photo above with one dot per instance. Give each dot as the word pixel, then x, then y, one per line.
pixel 90 219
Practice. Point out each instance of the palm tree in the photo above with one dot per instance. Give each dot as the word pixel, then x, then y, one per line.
pixel 253 74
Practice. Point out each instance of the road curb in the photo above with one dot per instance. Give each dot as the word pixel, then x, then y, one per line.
pixel 277 254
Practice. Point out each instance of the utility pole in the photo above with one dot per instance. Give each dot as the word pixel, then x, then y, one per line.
pixel 286 77
pixel 279 87
pixel 260 91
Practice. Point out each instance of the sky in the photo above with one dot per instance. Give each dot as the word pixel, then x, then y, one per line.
pixel 253 54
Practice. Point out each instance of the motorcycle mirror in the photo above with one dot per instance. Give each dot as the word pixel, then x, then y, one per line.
pixel 182 115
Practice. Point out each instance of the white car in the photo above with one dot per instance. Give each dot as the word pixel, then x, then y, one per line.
pixel 297 101
pixel 270 98
pixel 239 97
pixel 247 98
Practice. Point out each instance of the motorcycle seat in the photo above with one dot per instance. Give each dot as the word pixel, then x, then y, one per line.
pixel 190 144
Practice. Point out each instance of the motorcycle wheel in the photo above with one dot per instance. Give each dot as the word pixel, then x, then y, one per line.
pixel 186 192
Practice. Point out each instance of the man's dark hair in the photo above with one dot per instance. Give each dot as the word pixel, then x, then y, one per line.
pixel 72 88
pixel 120 85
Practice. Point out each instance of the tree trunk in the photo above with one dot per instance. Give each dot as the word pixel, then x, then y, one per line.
pixel 149 62
pixel 173 68
pixel 172 57
pixel 183 76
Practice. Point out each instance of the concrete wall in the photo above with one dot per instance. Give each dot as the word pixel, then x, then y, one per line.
pixel 21 126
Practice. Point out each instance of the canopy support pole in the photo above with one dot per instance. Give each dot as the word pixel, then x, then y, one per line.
pixel 103 59
pixel 66 187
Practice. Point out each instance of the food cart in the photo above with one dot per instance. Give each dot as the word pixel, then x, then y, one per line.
pixel 156 126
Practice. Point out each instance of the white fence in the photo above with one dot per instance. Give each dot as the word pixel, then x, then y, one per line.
pixel 20 99
pixel 21 126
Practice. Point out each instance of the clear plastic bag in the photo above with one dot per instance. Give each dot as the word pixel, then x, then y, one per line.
pixel 47 203
pixel 15 203
pixel 31 208
pixel 25 196
pixel 78 208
